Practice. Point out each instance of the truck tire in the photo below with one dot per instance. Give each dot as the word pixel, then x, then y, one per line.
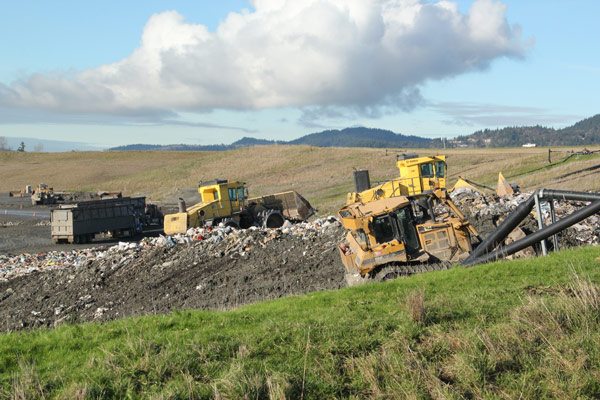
pixel 273 219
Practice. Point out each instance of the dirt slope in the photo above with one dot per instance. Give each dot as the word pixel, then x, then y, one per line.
pixel 257 265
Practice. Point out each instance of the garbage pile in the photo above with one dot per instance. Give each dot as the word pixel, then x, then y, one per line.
pixel 217 242
pixel 486 211
pixel 218 269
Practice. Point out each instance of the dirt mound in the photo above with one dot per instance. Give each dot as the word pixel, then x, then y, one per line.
pixel 216 272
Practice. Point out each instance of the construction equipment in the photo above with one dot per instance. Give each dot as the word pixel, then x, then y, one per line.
pixel 396 235
pixel 419 176
pixel 43 195
pixel 80 222
pixel 228 203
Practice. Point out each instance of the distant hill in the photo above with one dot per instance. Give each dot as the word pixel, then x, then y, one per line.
pixel 349 137
pixel 585 132
pixel 361 137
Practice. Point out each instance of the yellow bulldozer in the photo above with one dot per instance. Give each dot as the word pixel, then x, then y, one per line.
pixel 393 228
pixel 396 229
pixel 396 236
pixel 228 203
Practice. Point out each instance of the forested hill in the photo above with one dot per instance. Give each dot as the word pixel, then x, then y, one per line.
pixel 361 137
pixel 585 132
pixel 244 142
pixel 349 137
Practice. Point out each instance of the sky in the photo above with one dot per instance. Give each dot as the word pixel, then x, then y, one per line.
pixel 206 72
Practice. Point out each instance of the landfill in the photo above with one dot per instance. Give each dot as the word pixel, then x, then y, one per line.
pixel 222 241
pixel 204 268
pixel 216 268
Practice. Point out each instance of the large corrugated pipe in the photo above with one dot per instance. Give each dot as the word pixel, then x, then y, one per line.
pixel 567 195
pixel 537 236
pixel 502 231
pixel 520 213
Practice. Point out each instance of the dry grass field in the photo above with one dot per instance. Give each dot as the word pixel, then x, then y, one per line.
pixel 322 175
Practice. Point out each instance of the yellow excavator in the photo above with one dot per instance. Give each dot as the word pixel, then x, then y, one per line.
pixel 228 203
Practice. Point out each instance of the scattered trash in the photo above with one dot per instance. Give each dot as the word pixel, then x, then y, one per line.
pixel 220 241
pixel 486 211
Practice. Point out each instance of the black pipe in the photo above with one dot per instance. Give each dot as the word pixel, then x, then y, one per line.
pixel 181 205
pixel 502 231
pixel 520 213
pixel 537 236
pixel 567 195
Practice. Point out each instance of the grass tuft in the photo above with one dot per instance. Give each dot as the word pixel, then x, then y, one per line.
pixel 415 304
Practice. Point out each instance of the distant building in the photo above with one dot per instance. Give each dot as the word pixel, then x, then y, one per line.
pixel 529 145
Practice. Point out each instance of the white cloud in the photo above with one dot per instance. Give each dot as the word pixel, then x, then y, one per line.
pixel 312 53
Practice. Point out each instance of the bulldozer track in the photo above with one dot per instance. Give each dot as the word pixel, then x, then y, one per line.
pixel 396 270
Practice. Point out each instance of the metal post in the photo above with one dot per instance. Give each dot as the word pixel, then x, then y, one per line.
pixel 549 159
pixel 540 222
pixel 553 216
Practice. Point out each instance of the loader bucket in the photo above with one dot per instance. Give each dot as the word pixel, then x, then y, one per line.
pixel 291 204
pixel 175 223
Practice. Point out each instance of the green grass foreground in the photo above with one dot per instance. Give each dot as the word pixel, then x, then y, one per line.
pixel 521 329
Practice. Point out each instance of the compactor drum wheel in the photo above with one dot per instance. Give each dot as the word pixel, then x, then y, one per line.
pixel 273 219
pixel 232 223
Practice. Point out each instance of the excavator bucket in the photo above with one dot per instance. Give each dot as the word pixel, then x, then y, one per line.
pixel 504 187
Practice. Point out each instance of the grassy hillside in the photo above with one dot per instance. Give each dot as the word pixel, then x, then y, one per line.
pixel 323 175
pixel 520 329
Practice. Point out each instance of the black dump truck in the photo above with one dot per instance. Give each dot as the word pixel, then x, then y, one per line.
pixel 80 222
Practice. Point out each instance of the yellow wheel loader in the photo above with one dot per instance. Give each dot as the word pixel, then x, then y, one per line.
pixel 228 203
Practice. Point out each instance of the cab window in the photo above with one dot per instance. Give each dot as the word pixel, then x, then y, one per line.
pixel 383 229
pixel 427 170
pixel 240 193
pixel 232 194
pixel 440 169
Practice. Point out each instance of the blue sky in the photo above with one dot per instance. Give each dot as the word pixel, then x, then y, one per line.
pixel 199 72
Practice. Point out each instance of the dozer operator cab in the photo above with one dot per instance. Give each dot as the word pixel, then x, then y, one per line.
pixel 379 232
pixel 418 177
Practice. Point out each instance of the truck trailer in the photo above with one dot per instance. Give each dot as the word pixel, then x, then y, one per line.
pixel 80 222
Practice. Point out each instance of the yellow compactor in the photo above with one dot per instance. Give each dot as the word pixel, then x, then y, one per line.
pixel 228 203
pixel 418 176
